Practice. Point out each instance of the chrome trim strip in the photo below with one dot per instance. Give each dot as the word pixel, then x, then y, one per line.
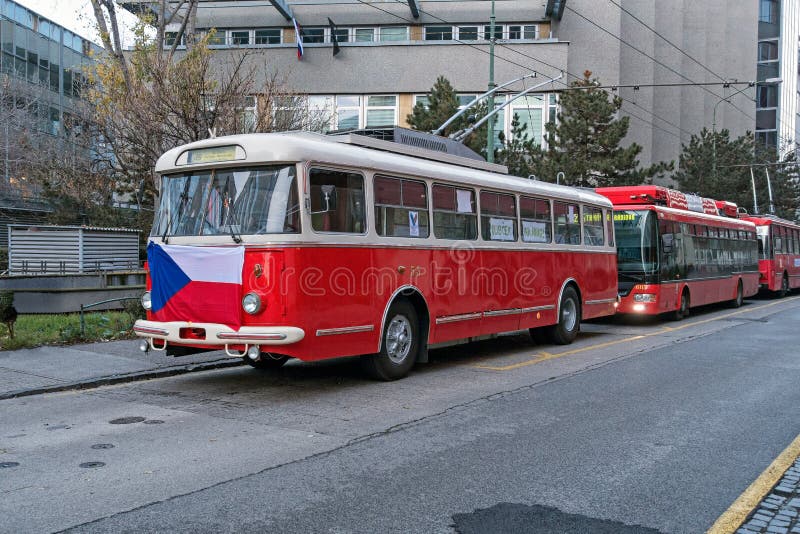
pixel 345 330
pixel 601 301
pixel 455 318
pixel 500 313
pixel 538 308
pixel 154 331
pixel 264 337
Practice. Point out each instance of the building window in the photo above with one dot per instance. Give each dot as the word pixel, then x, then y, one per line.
pixel 171 37
pixel 348 112
pixel 498 32
pixel 768 11
pixel 468 33
pixel 768 51
pixel 394 33
pixel 767 96
pixel 364 35
pixel 268 37
pixel 240 37
pixel 438 33
pixel 313 35
pixel 342 35
pixel 217 37
pixel 766 119
pixel 381 111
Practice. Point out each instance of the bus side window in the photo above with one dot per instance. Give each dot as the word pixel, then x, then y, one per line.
pixel 498 217
pixel 337 201
pixel 401 207
pixel 454 213
pixel 593 226
pixel 568 223
pixel 777 239
pixel 609 216
pixel 535 220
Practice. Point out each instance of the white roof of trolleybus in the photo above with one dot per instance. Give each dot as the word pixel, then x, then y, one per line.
pixel 294 147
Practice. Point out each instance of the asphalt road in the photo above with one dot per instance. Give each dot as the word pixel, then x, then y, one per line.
pixel 651 427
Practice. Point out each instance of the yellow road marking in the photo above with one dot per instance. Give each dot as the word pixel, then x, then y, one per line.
pixel 544 356
pixel 733 517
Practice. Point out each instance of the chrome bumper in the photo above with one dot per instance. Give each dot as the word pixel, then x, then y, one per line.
pixel 217 334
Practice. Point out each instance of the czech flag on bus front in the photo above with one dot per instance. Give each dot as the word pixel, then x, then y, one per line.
pixel 197 284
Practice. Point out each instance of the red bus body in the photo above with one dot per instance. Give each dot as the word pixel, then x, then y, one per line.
pixel 327 294
pixel 681 247
pixel 778 252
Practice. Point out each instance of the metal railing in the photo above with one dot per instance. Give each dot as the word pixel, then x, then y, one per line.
pixel 93 304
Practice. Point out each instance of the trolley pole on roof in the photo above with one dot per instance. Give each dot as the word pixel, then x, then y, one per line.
pixel 769 190
pixel 490 126
pixel 753 182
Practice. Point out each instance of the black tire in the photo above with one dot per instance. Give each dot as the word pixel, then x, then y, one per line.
pixel 784 290
pixel 683 309
pixel 739 300
pixel 399 344
pixel 268 361
pixel 569 318
pixel 539 335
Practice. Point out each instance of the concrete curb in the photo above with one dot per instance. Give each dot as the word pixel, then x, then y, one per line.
pixel 126 377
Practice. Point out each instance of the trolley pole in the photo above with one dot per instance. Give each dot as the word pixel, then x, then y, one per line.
pixel 490 101
pixel 769 190
pixel 755 200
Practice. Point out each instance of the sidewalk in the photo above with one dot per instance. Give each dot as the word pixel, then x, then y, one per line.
pixel 59 368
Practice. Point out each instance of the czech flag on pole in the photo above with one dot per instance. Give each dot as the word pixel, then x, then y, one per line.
pixel 298 36
pixel 196 284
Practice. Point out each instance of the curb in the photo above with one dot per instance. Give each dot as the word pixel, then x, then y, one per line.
pixel 122 378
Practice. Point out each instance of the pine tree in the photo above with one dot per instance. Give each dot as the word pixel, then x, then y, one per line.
pixel 584 142
pixel 516 151
pixel 715 166
pixel 442 104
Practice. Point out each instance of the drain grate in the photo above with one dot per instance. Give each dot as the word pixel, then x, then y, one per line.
pixel 103 446
pixel 92 465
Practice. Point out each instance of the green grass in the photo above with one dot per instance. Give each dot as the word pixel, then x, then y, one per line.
pixel 60 329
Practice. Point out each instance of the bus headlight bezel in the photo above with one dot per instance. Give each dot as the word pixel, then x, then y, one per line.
pixel 251 303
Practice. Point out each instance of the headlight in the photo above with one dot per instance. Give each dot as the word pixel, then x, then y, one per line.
pixel 644 297
pixel 251 303
pixel 147 302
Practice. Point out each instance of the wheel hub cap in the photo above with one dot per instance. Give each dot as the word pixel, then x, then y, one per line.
pixel 398 339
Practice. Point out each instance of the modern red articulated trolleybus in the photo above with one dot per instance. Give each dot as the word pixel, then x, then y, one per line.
pixel 674 251
pixel 301 245
pixel 778 253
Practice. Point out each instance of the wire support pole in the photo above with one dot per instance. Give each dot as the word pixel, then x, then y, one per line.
pixel 490 102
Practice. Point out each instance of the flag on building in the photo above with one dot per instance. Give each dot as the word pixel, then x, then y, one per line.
pixel 298 37
pixel 335 42
pixel 197 284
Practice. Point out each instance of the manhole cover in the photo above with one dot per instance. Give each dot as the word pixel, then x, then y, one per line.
pixel 8 464
pixel 103 446
pixel 126 420
pixel 153 422
pixel 92 465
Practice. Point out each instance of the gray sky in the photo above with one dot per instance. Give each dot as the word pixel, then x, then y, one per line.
pixel 76 15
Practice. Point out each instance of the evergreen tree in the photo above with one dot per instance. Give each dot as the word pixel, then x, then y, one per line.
pixel 714 165
pixel 442 104
pixel 516 152
pixel 584 142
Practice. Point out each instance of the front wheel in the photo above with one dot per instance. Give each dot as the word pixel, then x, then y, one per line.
pixel 569 319
pixel 399 345
pixel 737 302
pixel 683 309
pixel 784 290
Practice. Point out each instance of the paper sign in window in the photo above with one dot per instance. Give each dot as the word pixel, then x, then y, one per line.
pixel 534 232
pixel 413 223
pixel 464 201
pixel 501 229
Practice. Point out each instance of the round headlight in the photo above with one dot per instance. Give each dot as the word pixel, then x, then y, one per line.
pixel 251 303
pixel 147 303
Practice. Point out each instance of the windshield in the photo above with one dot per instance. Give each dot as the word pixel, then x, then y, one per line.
pixel 764 251
pixel 248 201
pixel 637 243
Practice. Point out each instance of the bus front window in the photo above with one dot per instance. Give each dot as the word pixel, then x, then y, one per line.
pixel 248 201
pixel 637 245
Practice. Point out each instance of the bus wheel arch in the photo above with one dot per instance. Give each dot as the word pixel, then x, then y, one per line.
pixel 568 314
pixel 684 303
pixel 403 336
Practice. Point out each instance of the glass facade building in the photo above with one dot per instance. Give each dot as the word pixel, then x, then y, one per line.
pixel 50 59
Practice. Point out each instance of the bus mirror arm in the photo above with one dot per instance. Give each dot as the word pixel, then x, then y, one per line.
pixel 327 198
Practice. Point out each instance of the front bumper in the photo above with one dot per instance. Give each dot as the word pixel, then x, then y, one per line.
pixel 216 334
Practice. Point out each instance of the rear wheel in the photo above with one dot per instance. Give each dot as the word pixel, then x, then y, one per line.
pixel 737 302
pixel 268 361
pixel 569 318
pixel 683 308
pixel 399 345
pixel 784 290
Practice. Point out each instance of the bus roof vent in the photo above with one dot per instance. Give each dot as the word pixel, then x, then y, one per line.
pixel 419 144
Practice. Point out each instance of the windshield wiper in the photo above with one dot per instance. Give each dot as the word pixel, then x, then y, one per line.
pixel 237 238
pixel 184 197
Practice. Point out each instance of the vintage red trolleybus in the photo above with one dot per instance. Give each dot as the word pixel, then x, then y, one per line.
pixel 675 251
pixel 301 245
pixel 778 253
